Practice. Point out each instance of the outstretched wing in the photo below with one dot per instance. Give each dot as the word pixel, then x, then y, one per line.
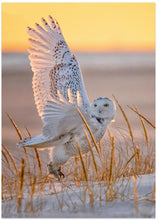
pixel 54 67
pixel 62 120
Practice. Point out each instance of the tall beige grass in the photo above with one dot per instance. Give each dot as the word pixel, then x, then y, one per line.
pixel 106 165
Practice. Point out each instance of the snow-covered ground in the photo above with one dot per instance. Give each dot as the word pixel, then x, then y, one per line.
pixel 73 201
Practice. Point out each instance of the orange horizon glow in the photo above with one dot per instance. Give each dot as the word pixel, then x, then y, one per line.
pixel 87 27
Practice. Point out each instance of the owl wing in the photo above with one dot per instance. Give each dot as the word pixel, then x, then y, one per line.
pixel 61 119
pixel 54 67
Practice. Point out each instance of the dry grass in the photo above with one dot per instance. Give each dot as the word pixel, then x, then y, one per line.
pixel 135 194
pixel 105 166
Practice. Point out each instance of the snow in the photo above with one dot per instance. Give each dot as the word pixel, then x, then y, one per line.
pixel 72 201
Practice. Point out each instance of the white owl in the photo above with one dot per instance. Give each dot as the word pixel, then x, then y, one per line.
pixel 58 88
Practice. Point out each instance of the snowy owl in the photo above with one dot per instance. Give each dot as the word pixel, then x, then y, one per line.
pixel 59 95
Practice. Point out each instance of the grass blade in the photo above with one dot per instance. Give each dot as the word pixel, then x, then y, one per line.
pixel 5 156
pixel 82 162
pixel 15 126
pixel 124 167
pixel 11 157
pixel 87 126
pixel 144 127
pixel 44 182
pixel 22 175
pixel 126 119
pixel 33 187
pixel 38 159
pixel 142 116
pixel 135 193
pixel 28 131
pixel 36 153
pixel 112 162
pixel 93 157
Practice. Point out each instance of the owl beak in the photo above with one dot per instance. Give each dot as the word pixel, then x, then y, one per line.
pixel 100 111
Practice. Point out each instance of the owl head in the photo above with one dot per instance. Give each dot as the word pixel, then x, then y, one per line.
pixel 102 108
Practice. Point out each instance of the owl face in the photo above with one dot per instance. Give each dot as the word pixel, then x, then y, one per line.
pixel 103 108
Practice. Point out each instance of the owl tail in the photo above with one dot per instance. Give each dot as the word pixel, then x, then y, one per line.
pixel 38 141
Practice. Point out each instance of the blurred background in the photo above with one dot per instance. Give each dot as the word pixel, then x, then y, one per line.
pixel 114 44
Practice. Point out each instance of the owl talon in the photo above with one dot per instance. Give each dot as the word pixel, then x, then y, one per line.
pixel 60 173
pixel 57 173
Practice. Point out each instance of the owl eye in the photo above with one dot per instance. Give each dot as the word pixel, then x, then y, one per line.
pixel 106 105
pixel 95 105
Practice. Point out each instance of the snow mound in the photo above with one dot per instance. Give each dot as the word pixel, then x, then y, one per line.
pixel 66 200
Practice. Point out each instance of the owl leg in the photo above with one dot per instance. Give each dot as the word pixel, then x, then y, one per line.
pixel 56 171
pixel 60 172
pixel 59 157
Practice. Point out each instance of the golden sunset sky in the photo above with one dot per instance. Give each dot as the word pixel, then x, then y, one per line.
pixel 100 27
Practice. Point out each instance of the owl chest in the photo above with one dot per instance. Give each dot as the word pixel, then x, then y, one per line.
pixel 71 147
pixel 99 133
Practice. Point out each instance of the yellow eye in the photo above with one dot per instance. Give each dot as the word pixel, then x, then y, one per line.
pixel 106 105
pixel 95 105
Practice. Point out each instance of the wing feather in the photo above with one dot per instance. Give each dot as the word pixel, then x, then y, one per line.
pixel 35 43
pixel 54 67
pixel 71 96
pixel 61 119
pixel 61 96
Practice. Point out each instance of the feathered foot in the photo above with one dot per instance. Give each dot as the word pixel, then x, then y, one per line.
pixel 56 172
